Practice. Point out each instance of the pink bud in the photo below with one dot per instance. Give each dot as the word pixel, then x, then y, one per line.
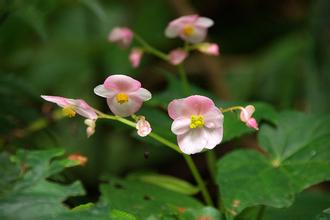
pixel 122 35
pixel 209 48
pixel 90 130
pixel 143 127
pixel 252 123
pixel 82 160
pixel 135 57
pixel 177 56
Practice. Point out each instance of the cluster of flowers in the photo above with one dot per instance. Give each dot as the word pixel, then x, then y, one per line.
pixel 197 122
pixel 191 28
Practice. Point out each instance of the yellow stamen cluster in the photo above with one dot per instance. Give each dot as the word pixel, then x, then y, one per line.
pixel 68 111
pixel 196 121
pixel 122 98
pixel 188 30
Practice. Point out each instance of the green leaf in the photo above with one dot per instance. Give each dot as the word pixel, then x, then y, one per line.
pixel 169 182
pixel 325 215
pixel 32 196
pixel 120 215
pixel 297 155
pixel 145 200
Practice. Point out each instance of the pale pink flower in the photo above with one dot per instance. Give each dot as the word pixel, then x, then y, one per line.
pixel 177 56
pixel 143 127
pixel 121 35
pixel 246 116
pixel 208 48
pixel 191 28
pixel 135 57
pixel 124 94
pixel 72 106
pixel 198 123
pixel 90 130
pixel 82 160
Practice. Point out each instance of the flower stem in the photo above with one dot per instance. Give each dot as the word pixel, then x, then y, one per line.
pixel 198 179
pixel 230 109
pixel 173 146
pixel 184 80
pixel 150 49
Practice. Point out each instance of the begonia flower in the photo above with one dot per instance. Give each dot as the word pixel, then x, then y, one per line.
pixel 246 116
pixel 177 56
pixel 82 160
pixel 198 123
pixel 135 57
pixel 143 127
pixel 72 106
pixel 121 35
pixel 191 28
pixel 123 93
pixel 208 48
pixel 90 130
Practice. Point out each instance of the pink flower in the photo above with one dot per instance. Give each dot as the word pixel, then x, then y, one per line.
pixel 191 28
pixel 209 48
pixel 72 106
pixel 122 35
pixel 135 57
pixel 143 127
pixel 198 123
pixel 177 56
pixel 246 116
pixel 124 94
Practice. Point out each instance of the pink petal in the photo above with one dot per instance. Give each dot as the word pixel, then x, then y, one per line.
pixel 214 137
pixel 177 56
pixel 126 109
pixel 213 118
pixel 174 27
pixel 135 57
pixel 100 90
pixel 82 108
pixel 61 101
pixel 180 126
pixel 122 83
pixel 193 141
pixel 204 22
pixel 141 94
pixel 192 105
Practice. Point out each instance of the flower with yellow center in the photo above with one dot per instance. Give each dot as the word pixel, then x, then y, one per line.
pixel 188 30
pixel 69 111
pixel 122 98
pixel 196 121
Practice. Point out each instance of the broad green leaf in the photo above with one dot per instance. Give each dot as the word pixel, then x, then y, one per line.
pixel 32 196
pixel 169 182
pixel 325 215
pixel 145 201
pixel 297 155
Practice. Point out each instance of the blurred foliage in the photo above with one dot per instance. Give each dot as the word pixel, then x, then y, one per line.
pixel 275 53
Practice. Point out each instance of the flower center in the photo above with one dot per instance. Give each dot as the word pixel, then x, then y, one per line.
pixel 188 30
pixel 122 98
pixel 69 111
pixel 196 121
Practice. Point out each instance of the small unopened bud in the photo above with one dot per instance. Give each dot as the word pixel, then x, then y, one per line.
pixel 135 57
pixel 246 116
pixel 79 158
pixel 177 56
pixel 208 48
pixel 90 130
pixel 143 127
